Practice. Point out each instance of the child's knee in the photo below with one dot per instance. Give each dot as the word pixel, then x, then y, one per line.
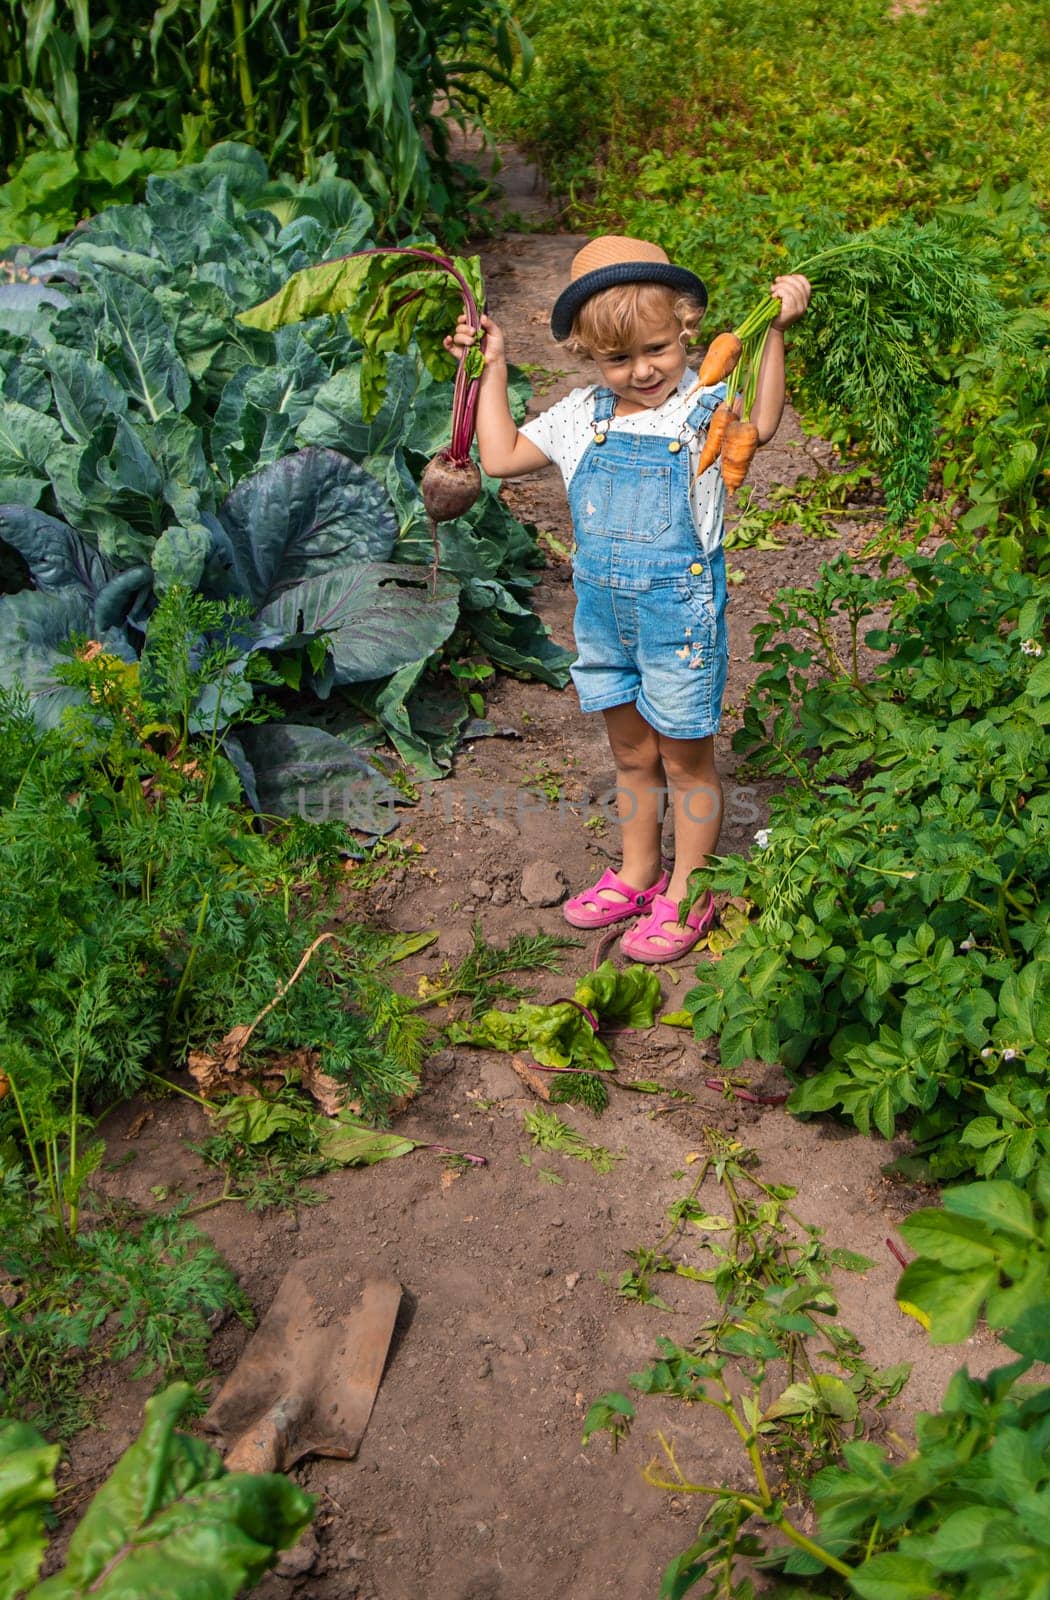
pixel 634 744
pixel 689 761
pixel 641 756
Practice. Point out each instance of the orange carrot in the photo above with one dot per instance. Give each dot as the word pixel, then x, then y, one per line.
pixel 738 447
pixel 723 353
pixel 713 443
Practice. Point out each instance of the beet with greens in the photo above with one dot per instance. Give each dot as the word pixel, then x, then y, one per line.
pixel 404 290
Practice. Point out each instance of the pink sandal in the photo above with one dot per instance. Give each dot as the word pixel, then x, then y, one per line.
pixel 589 908
pixel 654 941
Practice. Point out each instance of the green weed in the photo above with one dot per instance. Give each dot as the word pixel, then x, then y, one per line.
pixel 273 1174
pixel 547 780
pixel 883 1526
pixel 549 1132
pixel 485 973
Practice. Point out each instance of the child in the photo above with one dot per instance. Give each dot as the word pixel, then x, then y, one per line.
pixel 649 570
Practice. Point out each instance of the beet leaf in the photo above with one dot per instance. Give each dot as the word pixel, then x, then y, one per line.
pixel 391 297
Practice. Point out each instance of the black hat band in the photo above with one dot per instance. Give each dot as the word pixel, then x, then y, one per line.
pixel 571 299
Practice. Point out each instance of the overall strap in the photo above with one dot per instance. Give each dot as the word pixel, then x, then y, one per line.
pixel 700 415
pixel 604 405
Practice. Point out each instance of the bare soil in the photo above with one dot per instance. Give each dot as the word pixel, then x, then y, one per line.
pixel 471 1482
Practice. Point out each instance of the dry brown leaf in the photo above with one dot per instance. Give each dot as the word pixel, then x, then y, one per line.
pixel 536 1081
pixel 207 1072
pixel 212 1070
pixel 329 1094
pixel 225 1073
pixel 400 1103
pixel 136 1125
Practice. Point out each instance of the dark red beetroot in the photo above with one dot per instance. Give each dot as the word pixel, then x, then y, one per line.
pixel 449 487
pixel 451 481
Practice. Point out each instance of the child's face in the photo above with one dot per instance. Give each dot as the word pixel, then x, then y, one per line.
pixel 647 371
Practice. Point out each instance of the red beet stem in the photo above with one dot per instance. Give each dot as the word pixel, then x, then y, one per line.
pixel 464 1155
pixel 464 411
pixel 722 1085
pixel 901 1259
pixel 591 1018
pixel 465 393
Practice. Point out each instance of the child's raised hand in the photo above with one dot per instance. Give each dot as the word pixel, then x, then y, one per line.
pixel 460 342
pixel 793 292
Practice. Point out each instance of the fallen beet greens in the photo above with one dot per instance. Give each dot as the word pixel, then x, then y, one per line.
pixel 563 1038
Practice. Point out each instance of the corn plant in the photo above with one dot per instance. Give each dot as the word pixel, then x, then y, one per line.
pixel 356 83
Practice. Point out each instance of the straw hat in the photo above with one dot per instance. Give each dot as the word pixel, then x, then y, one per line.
pixel 613 259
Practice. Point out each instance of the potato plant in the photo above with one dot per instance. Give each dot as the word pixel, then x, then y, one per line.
pixel 896 962
pixel 960 1515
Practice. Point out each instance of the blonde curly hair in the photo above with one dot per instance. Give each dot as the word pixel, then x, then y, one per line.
pixel 609 320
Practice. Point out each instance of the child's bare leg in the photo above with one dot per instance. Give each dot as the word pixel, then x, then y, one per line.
pixel 696 795
pixel 640 786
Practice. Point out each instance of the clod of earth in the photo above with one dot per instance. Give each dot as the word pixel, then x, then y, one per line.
pixel 542 884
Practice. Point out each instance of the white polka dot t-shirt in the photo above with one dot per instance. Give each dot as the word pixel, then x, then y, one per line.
pixel 566 429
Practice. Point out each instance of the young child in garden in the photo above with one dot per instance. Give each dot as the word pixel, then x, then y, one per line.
pixel 648 566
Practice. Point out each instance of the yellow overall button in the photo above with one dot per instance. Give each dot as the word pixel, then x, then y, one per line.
pixel 696 568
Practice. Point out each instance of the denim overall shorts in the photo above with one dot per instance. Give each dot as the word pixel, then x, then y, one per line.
pixel 650 618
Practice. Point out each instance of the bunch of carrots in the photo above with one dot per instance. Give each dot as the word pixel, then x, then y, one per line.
pixel 729 437
pixel 892 301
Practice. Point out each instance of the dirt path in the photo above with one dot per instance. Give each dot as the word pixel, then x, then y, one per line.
pixel 471 1483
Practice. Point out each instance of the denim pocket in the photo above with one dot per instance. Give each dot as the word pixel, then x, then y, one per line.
pixel 630 504
pixel 696 594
